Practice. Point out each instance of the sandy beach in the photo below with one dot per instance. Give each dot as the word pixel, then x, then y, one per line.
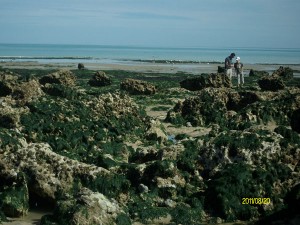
pixel 196 69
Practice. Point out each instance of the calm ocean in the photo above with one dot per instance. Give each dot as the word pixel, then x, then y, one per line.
pixel 127 54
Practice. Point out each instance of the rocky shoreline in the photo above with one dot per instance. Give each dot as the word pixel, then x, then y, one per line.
pixel 87 144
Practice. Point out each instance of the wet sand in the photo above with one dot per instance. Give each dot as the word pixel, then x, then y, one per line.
pixel 196 69
pixel 32 218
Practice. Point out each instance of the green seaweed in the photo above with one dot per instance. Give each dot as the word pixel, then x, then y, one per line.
pixel 184 214
pixel 111 185
pixel 123 219
pixel 145 212
pixel 236 181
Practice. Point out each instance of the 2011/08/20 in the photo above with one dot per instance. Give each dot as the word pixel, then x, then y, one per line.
pixel 256 201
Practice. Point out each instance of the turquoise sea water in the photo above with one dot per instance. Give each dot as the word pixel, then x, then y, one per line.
pixel 98 53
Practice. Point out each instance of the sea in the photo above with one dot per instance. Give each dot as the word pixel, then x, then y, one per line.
pixel 137 54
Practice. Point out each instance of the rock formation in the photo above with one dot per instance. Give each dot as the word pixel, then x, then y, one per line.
pixel 201 82
pixel 284 73
pixel 64 77
pixel 271 83
pixel 100 79
pixel 137 87
pixel 80 66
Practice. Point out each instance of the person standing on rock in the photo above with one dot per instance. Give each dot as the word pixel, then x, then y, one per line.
pixel 229 65
pixel 238 66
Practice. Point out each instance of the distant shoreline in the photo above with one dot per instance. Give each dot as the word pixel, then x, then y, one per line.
pixel 89 59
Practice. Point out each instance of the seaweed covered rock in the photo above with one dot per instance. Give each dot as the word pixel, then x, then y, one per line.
pixel 27 91
pixel 208 107
pixel 112 104
pixel 229 191
pixel 8 81
pixel 87 208
pixel 64 77
pixel 284 73
pixel 23 92
pixel 10 114
pixel 295 120
pixel 9 76
pixel 137 87
pixel 250 147
pixel 49 172
pixel 236 109
pixel 218 80
pixel 275 108
pixel 14 196
pixel 257 73
pixel 239 100
pixel 60 91
pixel 271 83
pixel 100 79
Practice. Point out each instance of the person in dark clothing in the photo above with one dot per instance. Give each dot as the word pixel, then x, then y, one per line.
pixel 229 65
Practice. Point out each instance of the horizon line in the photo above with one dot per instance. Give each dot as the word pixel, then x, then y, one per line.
pixel 154 46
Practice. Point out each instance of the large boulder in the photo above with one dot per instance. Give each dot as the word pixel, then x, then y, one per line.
pixel 64 77
pixel 100 79
pixel 218 80
pixel 284 73
pixel 80 66
pixel 271 83
pixel 137 87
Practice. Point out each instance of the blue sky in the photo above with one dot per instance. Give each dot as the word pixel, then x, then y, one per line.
pixel 171 23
